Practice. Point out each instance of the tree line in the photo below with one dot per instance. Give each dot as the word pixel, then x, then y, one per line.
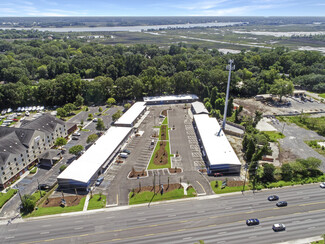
pixel 55 72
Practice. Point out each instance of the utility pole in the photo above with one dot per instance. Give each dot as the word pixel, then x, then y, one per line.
pixel 19 194
pixel 229 67
pixel 246 167
pixel 39 189
pixel 154 183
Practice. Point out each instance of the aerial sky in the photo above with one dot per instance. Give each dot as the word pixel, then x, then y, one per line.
pixel 162 8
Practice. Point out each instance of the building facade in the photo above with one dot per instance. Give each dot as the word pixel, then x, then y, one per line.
pixel 21 148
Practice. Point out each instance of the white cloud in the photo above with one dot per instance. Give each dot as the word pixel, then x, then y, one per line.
pixel 200 5
pixel 4 11
pixel 244 10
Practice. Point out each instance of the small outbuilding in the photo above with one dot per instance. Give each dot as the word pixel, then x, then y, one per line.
pixel 199 108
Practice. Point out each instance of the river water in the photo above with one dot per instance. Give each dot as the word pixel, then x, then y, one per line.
pixel 125 28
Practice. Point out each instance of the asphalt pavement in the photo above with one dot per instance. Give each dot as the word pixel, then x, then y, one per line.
pixel 213 219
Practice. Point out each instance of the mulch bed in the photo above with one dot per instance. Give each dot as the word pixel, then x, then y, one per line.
pixel 55 202
pixel 175 171
pixel 235 183
pixel 203 170
pixel 167 188
pixel 164 112
pixel 163 132
pixel 135 174
pixel 161 156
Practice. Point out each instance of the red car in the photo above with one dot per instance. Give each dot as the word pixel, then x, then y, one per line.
pixel 218 174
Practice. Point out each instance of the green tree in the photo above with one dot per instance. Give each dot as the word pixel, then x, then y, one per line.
pixel 110 101
pixel 286 172
pixel 100 109
pixel 69 107
pixel 28 203
pixel 92 138
pixel 282 88
pixel 75 150
pixel 127 106
pixel 61 112
pixel 100 125
pixel 79 101
pixel 90 116
pixel 268 173
pixel 60 141
pixel 117 115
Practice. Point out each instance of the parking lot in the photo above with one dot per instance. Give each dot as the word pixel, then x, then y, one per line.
pixel 182 141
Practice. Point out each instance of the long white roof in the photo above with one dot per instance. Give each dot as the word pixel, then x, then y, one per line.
pixel 131 114
pixel 170 98
pixel 199 108
pixel 86 166
pixel 217 148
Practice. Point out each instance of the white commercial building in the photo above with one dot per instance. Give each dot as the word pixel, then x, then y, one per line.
pixel 185 98
pixel 216 149
pixel 199 108
pixel 131 115
pixel 84 171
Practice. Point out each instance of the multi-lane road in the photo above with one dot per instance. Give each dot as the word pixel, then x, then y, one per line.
pixel 214 219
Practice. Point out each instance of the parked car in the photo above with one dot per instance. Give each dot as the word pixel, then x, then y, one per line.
pixel 218 174
pixel 95 119
pixel 124 155
pixel 322 185
pixel 278 227
pixel 273 198
pixel 281 204
pixel 75 138
pixel 126 151
pixel 76 134
pixel 250 222
pixel 99 181
pixel 44 187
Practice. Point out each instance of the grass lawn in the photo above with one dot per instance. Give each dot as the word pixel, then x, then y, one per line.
pixel 145 197
pixel 306 122
pixel 274 135
pixel 85 130
pixel 321 95
pixel 154 166
pixel 4 197
pixel 218 190
pixel 318 242
pixel 95 203
pixel 57 210
pixel 314 145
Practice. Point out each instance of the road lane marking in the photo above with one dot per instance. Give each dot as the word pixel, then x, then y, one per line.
pixel 9 237
pixel 44 233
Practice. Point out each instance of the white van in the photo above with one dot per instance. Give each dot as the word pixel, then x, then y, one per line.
pixel 152 142
pixel 123 155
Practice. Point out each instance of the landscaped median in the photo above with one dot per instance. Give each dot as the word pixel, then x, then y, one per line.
pixel 171 191
pixel 5 197
pixel 161 156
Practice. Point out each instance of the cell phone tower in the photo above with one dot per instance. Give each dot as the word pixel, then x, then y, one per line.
pixel 229 67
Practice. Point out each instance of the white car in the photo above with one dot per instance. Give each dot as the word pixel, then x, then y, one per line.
pixel 278 227
pixel 322 185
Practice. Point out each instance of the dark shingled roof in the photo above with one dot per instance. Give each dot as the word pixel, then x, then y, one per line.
pixel 10 144
pixel 23 134
pixel 45 123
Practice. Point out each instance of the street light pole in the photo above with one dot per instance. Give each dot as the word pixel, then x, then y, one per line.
pixel 246 167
